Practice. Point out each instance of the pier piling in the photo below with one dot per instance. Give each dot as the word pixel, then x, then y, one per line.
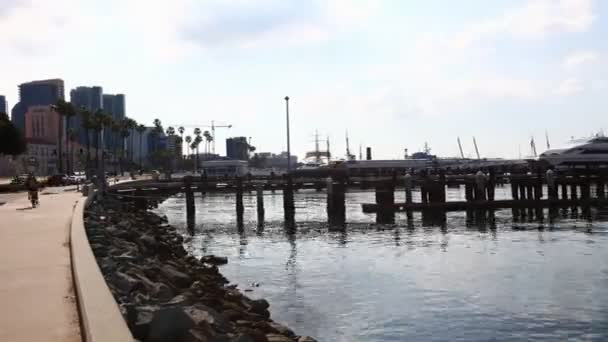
pixel 259 192
pixel 190 208
pixel 239 202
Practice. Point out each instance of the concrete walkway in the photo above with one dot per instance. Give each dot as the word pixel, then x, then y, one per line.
pixel 36 291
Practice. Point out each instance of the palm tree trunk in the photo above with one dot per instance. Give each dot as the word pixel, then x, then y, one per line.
pixel 141 165
pixel 98 138
pixel 88 142
pixel 59 146
pixel 67 142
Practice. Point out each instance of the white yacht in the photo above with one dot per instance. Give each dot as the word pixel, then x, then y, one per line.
pixel 579 152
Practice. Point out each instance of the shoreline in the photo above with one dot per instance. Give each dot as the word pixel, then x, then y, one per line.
pixel 165 294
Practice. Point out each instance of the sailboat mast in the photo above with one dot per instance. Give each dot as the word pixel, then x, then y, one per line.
pixel 460 148
pixel 347 147
pixel 476 149
pixel 317 152
pixel 328 153
pixel 533 146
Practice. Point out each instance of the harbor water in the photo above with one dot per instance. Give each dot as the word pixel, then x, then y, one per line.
pixel 418 279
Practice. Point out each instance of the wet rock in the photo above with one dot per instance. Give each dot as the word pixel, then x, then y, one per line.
pixel 306 339
pixel 124 283
pixel 283 330
pixel 170 324
pixel 176 277
pixel 214 260
pixel 278 338
pixel 200 313
pixel 258 306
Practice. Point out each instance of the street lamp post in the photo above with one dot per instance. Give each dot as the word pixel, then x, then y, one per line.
pixel 288 143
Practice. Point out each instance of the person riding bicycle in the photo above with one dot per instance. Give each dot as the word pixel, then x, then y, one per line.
pixel 32 188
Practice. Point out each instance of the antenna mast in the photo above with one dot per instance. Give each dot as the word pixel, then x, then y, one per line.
pixel 328 153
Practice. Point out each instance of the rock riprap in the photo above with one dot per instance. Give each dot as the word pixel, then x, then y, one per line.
pixel 165 294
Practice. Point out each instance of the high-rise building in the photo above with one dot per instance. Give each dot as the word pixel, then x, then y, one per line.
pixel 90 98
pixel 237 148
pixel 35 93
pixel 3 105
pixel 115 106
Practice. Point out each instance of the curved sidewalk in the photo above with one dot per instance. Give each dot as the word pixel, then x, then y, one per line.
pixel 36 287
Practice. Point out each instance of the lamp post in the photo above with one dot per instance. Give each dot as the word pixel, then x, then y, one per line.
pixel 288 143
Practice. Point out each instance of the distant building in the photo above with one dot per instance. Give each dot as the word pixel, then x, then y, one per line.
pixel 237 148
pixel 44 92
pixel 42 126
pixel 141 147
pixel 115 106
pixel 3 105
pixel 90 98
pixel 42 123
pixel 276 161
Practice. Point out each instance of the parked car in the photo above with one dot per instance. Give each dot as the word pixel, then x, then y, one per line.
pixel 19 180
pixel 78 177
pixel 58 180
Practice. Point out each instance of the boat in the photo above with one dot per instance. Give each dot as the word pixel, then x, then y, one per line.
pixel 578 152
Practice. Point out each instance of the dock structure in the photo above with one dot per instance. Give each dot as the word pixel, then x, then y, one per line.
pixel 530 192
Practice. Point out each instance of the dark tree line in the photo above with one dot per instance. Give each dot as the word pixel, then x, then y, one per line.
pixel 12 141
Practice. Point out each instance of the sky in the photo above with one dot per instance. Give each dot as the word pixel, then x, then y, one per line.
pixel 394 74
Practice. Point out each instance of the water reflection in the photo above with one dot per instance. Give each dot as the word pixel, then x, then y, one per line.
pixel 471 275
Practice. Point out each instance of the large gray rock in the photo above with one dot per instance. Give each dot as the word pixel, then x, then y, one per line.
pixel 177 278
pixel 124 282
pixel 203 315
pixel 170 325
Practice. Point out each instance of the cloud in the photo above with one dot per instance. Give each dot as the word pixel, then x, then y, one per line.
pixel 580 58
pixel 569 87
pixel 248 23
pixel 537 19
pixel 32 27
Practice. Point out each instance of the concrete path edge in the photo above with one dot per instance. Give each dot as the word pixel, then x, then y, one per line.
pixel 100 317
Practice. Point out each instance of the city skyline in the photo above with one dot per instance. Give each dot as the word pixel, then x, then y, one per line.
pixel 395 75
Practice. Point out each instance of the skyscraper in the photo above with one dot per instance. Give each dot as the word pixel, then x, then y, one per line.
pixel 90 98
pixel 44 92
pixel 3 105
pixel 237 148
pixel 114 105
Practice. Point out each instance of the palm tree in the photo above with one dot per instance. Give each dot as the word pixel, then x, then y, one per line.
pixel 72 137
pixel 197 141
pixel 116 128
pixel 209 138
pixel 206 136
pixel 87 125
pixel 130 126
pixel 141 129
pixel 188 142
pixel 101 120
pixel 65 110
pixel 181 131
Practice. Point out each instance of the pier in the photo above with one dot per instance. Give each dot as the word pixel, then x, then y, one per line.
pixel 584 188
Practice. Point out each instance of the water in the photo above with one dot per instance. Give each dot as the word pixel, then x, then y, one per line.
pixel 411 281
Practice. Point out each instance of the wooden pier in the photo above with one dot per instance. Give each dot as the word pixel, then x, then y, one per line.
pixel 529 192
